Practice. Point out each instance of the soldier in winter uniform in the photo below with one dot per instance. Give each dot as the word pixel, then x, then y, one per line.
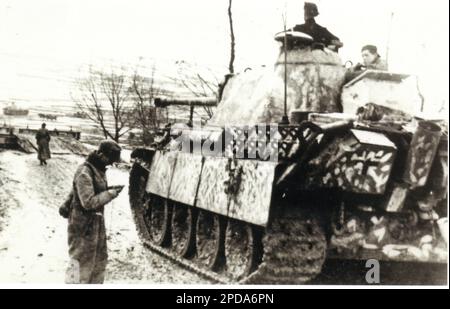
pixel 43 140
pixel 371 59
pixel 317 32
pixel 84 209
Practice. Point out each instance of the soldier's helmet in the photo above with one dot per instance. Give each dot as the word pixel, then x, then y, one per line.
pixel 311 9
pixel 110 149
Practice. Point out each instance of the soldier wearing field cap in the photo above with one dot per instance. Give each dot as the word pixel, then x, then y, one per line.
pixel 371 59
pixel 84 210
pixel 319 34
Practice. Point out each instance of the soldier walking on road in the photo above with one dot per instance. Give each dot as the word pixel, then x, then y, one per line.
pixel 43 140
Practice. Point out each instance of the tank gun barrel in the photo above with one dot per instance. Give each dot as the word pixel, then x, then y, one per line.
pixel 203 101
pixel 192 103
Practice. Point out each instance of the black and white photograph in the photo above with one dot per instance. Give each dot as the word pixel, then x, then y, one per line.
pixel 174 144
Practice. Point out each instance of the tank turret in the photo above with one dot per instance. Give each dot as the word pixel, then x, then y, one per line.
pixel 314 79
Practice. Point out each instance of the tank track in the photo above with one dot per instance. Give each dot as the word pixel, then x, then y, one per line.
pixel 294 244
pixel 294 250
pixel 138 179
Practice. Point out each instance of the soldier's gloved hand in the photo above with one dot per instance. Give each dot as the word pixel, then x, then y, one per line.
pixel 358 67
pixel 118 187
pixel 115 191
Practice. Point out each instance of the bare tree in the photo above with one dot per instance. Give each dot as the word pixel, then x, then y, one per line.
pixel 144 90
pixel 232 43
pixel 102 98
pixel 197 84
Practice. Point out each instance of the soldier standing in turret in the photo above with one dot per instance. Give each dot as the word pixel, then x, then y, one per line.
pixel 319 34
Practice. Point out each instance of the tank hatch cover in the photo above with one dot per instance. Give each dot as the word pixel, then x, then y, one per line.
pixel 372 138
pixel 293 35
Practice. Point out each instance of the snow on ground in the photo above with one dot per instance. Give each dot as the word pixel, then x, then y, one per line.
pixel 33 237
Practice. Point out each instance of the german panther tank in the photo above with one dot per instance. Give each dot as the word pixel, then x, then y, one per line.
pixel 253 198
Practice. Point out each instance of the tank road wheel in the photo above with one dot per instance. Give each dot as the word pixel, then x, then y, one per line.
pixel 159 217
pixel 139 199
pixel 183 230
pixel 210 240
pixel 243 249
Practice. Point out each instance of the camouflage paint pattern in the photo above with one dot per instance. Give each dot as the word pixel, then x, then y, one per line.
pixel 397 198
pixel 314 81
pixel 355 166
pixel 185 178
pixel 161 172
pixel 438 178
pixel 256 96
pixel 421 154
pixel 253 199
pixel 211 192
pixel 366 171
pixel 385 238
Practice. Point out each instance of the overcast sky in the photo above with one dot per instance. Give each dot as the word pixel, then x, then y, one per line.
pixel 44 42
